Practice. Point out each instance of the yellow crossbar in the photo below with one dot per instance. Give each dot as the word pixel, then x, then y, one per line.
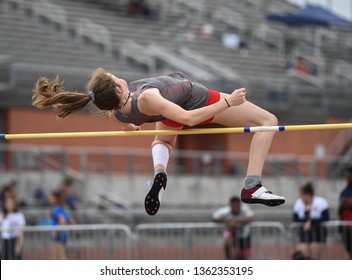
pixel 176 132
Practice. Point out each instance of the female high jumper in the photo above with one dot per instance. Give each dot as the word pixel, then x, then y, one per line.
pixel 171 101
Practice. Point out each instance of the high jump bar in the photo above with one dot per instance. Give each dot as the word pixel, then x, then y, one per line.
pixel 177 132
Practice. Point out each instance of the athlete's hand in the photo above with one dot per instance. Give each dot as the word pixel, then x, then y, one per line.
pixel 238 97
pixel 131 127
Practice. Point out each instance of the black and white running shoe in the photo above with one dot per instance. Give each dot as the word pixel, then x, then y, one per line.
pixel 152 200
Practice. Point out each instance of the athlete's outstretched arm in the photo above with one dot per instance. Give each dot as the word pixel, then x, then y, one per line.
pixel 150 102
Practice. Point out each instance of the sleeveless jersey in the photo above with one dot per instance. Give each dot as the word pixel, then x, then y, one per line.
pixel 174 87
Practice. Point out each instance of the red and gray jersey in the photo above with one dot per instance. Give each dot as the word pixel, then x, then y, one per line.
pixel 174 87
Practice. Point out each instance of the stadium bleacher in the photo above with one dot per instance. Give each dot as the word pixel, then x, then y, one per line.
pixel 73 53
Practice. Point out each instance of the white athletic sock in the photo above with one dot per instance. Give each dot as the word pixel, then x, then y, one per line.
pixel 160 154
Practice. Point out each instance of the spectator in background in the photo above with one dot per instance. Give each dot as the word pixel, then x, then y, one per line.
pixel 345 213
pixel 230 41
pixel 243 48
pixel 9 190
pixel 312 69
pixel 138 7
pixel 40 197
pixel 69 197
pixel 12 221
pixel 311 211
pixel 236 218
pixel 301 66
pixel 207 30
pixel 60 217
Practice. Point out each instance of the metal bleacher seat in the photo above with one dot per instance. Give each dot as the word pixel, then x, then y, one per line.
pixel 217 68
pixel 99 34
pixel 264 33
pixel 342 70
pixel 7 75
pixel 230 18
pixel 131 50
pixel 13 4
pixel 197 6
pixel 52 13
pixel 178 63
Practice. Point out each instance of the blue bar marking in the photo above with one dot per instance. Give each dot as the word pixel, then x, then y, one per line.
pixel 2 137
pixel 247 129
pixel 281 128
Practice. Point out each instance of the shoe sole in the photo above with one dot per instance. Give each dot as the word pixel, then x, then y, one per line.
pixel 268 202
pixel 151 201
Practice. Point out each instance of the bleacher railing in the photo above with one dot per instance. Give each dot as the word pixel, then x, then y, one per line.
pixel 269 240
pixel 331 235
pixel 84 242
pixel 7 72
pixel 75 161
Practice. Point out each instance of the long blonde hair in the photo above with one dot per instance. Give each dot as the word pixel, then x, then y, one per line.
pixel 52 94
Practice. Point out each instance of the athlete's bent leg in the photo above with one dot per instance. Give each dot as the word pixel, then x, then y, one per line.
pixel 249 114
pixel 161 147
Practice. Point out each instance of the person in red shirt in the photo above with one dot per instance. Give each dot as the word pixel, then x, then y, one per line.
pixel 301 66
pixel 345 212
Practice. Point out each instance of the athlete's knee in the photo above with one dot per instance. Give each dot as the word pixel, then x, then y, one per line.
pixel 167 144
pixel 269 120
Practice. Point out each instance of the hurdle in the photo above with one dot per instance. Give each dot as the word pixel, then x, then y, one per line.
pixel 226 130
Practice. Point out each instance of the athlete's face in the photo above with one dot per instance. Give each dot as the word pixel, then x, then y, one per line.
pixel 121 83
